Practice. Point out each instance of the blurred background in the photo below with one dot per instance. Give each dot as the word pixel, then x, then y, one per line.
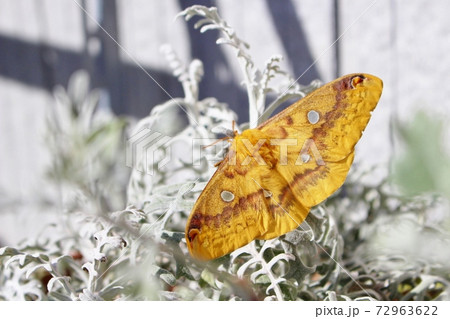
pixel 43 42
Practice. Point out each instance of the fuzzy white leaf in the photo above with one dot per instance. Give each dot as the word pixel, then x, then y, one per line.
pixel 277 258
pixel 87 295
pixel 59 296
pixel 55 280
pixel 275 283
pixel 8 251
pixel 34 268
pixel 202 22
pixel 90 268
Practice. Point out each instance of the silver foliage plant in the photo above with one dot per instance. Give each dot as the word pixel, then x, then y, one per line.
pixel 98 250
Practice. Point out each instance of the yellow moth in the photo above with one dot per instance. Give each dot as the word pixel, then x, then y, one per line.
pixel 273 174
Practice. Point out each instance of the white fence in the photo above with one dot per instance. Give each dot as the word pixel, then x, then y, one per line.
pixel 406 43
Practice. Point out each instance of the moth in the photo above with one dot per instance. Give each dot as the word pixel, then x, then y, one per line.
pixel 273 174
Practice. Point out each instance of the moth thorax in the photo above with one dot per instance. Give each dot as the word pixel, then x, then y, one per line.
pixel 254 143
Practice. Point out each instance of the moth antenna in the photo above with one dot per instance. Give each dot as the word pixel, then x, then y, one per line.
pixel 217 141
pixel 235 132
pixel 230 135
